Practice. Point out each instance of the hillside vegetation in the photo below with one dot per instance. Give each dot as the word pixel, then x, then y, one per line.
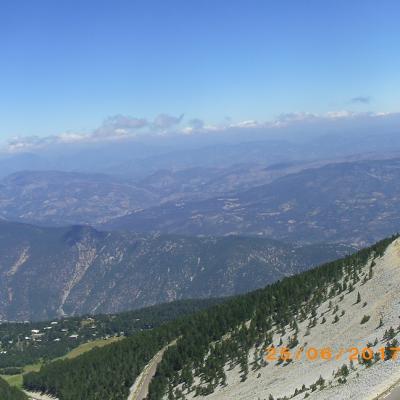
pixel 47 273
pixel 207 341
pixel 22 344
pixel 10 393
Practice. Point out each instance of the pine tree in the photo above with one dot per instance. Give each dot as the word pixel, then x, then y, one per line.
pixel 344 370
pixel 365 319
pixel 320 381
pixel 371 272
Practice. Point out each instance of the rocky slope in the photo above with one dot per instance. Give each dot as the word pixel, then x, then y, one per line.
pixel 47 272
pixel 366 315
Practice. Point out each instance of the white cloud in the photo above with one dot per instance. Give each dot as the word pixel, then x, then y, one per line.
pixel 120 127
pixel 245 124
pixel 165 121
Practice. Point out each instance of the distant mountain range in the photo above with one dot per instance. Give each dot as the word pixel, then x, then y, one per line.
pixel 305 202
pixel 48 272
pixel 354 202
pixel 139 157
pixel 61 198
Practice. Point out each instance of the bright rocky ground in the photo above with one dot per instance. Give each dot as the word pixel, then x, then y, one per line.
pixel 337 323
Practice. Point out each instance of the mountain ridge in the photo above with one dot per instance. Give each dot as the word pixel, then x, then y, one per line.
pixel 48 272
pixel 354 202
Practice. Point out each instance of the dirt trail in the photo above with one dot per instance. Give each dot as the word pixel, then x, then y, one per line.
pixel 140 388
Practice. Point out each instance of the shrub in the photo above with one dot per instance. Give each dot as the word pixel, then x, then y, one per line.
pixel 365 319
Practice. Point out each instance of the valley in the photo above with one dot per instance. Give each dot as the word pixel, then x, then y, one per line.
pixel 26 346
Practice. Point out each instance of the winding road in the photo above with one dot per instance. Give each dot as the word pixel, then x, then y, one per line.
pixel 140 388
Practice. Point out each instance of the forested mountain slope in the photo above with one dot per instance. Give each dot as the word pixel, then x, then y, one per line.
pixel 26 343
pixel 352 202
pixel 10 393
pixel 49 272
pixel 341 344
pixel 222 350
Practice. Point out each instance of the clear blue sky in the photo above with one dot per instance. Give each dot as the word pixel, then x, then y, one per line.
pixel 66 65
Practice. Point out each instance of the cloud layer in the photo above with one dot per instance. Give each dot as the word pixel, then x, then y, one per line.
pixel 123 127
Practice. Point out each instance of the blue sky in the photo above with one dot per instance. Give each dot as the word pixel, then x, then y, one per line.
pixel 68 65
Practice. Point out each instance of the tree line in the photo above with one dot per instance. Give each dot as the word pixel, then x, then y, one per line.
pixel 8 392
pixel 19 349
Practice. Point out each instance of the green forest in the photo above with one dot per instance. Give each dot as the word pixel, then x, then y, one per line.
pixel 10 393
pixel 20 347
pixel 107 373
